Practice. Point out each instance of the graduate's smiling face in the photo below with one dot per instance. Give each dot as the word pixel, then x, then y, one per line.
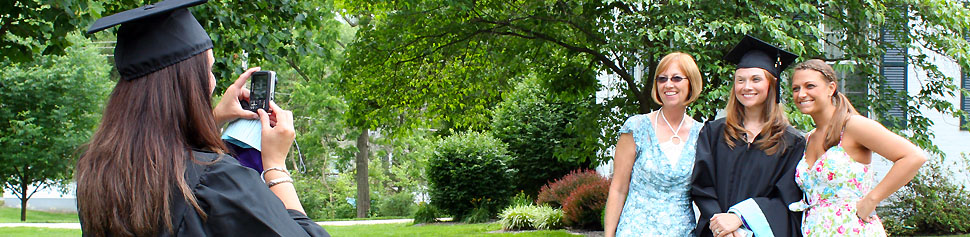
pixel 212 77
pixel 751 86
pixel 673 87
pixel 811 91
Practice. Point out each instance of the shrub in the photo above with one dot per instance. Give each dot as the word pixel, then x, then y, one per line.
pixel 399 204
pixel 480 214
pixel 547 218
pixel 555 193
pixel 522 199
pixel 465 168
pixel 517 217
pixel 584 207
pixel 425 213
pixel 538 129
pixel 530 216
pixel 932 203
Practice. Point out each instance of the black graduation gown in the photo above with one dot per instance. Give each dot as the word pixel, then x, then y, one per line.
pixel 724 177
pixel 236 201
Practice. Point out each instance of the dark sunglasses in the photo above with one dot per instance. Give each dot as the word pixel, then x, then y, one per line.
pixel 675 79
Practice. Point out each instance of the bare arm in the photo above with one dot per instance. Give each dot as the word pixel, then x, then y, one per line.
pixel 906 157
pixel 623 159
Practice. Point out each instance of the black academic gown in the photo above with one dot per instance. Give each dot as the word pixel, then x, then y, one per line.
pixel 724 177
pixel 236 201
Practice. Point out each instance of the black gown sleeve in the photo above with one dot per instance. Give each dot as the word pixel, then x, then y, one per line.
pixel 703 179
pixel 775 206
pixel 238 203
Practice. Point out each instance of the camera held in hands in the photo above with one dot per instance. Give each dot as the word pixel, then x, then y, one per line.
pixel 262 88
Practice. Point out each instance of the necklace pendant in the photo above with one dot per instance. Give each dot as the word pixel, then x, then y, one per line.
pixel 678 139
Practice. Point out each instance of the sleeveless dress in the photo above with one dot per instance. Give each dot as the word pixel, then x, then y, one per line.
pixel 832 187
pixel 658 201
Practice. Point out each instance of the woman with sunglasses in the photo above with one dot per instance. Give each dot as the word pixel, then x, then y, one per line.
pixel 744 173
pixel 654 156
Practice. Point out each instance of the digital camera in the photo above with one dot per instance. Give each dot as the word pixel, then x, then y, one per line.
pixel 261 90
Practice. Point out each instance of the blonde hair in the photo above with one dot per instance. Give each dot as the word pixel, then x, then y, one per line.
pixel 843 108
pixel 689 67
pixel 774 116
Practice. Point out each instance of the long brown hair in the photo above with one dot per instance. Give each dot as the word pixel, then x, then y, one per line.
pixel 129 172
pixel 843 108
pixel 774 117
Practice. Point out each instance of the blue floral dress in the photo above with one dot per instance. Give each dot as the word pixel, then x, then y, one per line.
pixel 658 201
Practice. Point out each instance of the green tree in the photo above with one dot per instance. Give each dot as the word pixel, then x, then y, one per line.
pixel 450 60
pixel 542 136
pixel 52 105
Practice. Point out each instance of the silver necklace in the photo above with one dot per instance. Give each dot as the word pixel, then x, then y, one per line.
pixel 677 131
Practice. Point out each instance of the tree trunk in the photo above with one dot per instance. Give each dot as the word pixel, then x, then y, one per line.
pixel 23 195
pixel 363 187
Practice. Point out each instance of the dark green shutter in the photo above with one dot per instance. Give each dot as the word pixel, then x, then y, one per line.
pixel 894 69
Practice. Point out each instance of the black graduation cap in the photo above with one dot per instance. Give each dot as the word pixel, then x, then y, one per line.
pixel 751 52
pixel 155 36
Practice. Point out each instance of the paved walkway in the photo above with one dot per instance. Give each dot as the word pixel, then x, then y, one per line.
pixel 324 223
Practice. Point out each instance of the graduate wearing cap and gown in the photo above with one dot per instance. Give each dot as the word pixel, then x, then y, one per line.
pixel 156 165
pixel 743 178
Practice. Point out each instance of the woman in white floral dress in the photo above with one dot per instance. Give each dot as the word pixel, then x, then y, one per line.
pixel 840 192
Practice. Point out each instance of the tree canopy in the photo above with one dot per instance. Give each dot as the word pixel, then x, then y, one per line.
pixel 449 61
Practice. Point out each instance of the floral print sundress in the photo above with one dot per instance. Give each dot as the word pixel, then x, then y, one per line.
pixel 833 186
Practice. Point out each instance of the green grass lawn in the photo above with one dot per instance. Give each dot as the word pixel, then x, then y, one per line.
pixel 358 230
pixel 12 215
pixel 432 230
pixel 34 231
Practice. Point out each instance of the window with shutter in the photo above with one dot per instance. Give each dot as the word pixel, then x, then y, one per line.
pixel 894 69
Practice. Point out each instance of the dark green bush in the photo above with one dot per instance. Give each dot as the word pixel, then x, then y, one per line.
pixel 425 213
pixel 467 170
pixel 399 204
pixel 933 203
pixel 538 128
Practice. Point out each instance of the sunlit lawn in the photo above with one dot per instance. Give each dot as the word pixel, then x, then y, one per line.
pixel 357 230
pixel 432 230
pixel 12 215
pixel 35 231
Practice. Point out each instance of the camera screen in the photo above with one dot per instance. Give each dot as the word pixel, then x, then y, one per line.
pixel 259 86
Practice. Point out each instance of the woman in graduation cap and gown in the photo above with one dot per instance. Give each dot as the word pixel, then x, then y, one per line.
pixel 743 177
pixel 156 165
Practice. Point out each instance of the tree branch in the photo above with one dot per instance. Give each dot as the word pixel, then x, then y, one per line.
pixel 297 69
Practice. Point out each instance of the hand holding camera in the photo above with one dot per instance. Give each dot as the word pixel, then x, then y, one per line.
pixel 276 140
pixel 229 107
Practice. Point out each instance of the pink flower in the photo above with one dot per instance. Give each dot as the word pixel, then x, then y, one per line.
pixel 841 229
pixel 838 213
pixel 831 176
